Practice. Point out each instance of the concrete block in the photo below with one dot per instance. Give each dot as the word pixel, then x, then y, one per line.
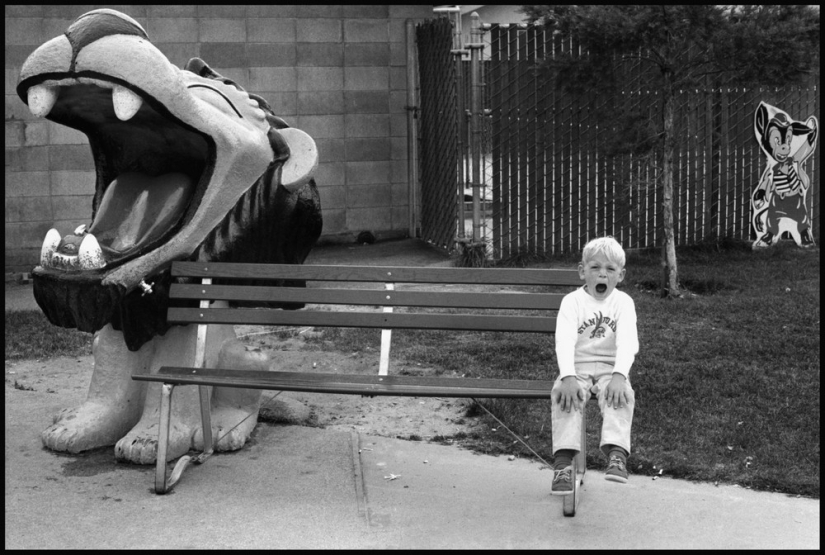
pixel 174 10
pixel 172 29
pixel 71 157
pixel 398 125
pixel 222 30
pixel 31 234
pixel 27 209
pixel 400 217
pixel 398 79
pixel 270 54
pixel 366 30
pixel 398 148
pixel 28 10
pixel 316 11
pixel 72 183
pixel 398 30
pixel 359 219
pixel 411 11
pixel 400 194
pixel 16 54
pixel 180 53
pixel 333 197
pixel 221 10
pixel 398 101
pixel 322 127
pixel 367 149
pixel 62 135
pixel 284 104
pixel 26 159
pixel 364 196
pixel 366 78
pixel 367 125
pixel 26 184
pixel 398 171
pixel 24 30
pixel 367 173
pixel 36 133
pixel 278 79
pixel 366 102
pixel 56 26
pixel 398 53
pixel 74 206
pixel 335 221
pixel 322 102
pixel 15 133
pixel 320 54
pixel 320 78
pixel 366 54
pixel 331 174
pixel 318 30
pixel 271 11
pixel 224 54
pixel 366 11
pixel 331 150
pixel 270 29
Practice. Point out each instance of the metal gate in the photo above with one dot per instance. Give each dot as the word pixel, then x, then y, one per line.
pixel 438 132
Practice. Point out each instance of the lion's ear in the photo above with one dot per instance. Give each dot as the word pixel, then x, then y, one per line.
pixel 300 167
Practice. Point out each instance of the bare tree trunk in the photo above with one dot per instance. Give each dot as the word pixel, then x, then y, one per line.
pixel 669 140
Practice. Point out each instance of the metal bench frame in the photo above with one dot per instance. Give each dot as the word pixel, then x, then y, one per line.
pixel 278 287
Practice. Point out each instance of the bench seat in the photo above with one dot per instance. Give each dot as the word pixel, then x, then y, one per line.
pixel 356 384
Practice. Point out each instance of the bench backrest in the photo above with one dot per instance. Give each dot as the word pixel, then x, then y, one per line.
pixel 464 306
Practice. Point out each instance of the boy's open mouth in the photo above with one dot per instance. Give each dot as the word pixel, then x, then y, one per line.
pixel 601 288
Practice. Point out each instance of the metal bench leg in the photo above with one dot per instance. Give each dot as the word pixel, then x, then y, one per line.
pixel 163 437
pixel 162 484
pixel 571 502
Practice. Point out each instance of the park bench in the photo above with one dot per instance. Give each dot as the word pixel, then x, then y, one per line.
pixel 364 286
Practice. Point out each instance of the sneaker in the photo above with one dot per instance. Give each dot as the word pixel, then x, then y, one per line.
pixel 616 471
pixel 562 481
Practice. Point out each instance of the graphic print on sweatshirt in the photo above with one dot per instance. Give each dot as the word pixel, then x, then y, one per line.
pixel 598 322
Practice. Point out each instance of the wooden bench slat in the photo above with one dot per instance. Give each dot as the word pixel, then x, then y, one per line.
pixel 354 384
pixel 501 300
pixel 347 319
pixel 394 274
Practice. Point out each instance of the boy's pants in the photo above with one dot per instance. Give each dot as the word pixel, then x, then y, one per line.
pixel 567 426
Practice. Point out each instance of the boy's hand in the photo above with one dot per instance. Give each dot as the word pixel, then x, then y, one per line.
pixel 616 392
pixel 569 394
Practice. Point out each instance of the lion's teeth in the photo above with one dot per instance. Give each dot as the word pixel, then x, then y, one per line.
pixel 126 102
pixel 90 254
pixel 41 99
pixel 49 247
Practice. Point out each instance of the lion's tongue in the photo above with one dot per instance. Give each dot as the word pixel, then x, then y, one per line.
pixel 138 209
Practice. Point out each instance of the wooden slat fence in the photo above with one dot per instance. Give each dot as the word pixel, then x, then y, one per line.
pixel 556 184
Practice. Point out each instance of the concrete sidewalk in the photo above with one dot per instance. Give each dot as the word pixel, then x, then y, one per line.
pixel 298 487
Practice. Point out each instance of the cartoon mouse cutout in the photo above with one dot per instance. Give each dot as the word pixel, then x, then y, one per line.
pixel 780 200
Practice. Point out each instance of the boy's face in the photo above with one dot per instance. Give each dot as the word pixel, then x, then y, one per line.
pixel 600 276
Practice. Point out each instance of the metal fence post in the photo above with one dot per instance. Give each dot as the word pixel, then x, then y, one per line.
pixel 475 48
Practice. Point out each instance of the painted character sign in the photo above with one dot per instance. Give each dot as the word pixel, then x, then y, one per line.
pixel 780 200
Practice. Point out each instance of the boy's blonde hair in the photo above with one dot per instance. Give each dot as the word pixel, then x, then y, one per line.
pixel 607 246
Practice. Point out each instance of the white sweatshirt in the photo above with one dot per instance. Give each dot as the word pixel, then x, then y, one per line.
pixel 589 330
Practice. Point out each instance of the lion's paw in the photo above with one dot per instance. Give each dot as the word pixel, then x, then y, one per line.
pixel 88 426
pixel 231 427
pixel 140 445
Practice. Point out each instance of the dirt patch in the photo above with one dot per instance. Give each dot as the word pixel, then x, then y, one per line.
pixel 405 417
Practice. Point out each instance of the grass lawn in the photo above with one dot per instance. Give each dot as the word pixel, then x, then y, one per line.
pixel 726 380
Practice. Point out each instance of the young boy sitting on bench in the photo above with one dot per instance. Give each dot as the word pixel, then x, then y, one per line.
pixel 596 343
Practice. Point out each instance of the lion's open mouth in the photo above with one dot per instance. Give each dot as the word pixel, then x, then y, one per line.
pixel 150 168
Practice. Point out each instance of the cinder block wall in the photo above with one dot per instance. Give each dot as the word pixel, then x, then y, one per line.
pixel 337 72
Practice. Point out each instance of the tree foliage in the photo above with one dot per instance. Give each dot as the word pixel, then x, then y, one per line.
pixel 685 47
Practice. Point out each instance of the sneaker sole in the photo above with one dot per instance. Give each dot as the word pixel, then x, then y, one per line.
pixel 614 478
pixel 561 493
